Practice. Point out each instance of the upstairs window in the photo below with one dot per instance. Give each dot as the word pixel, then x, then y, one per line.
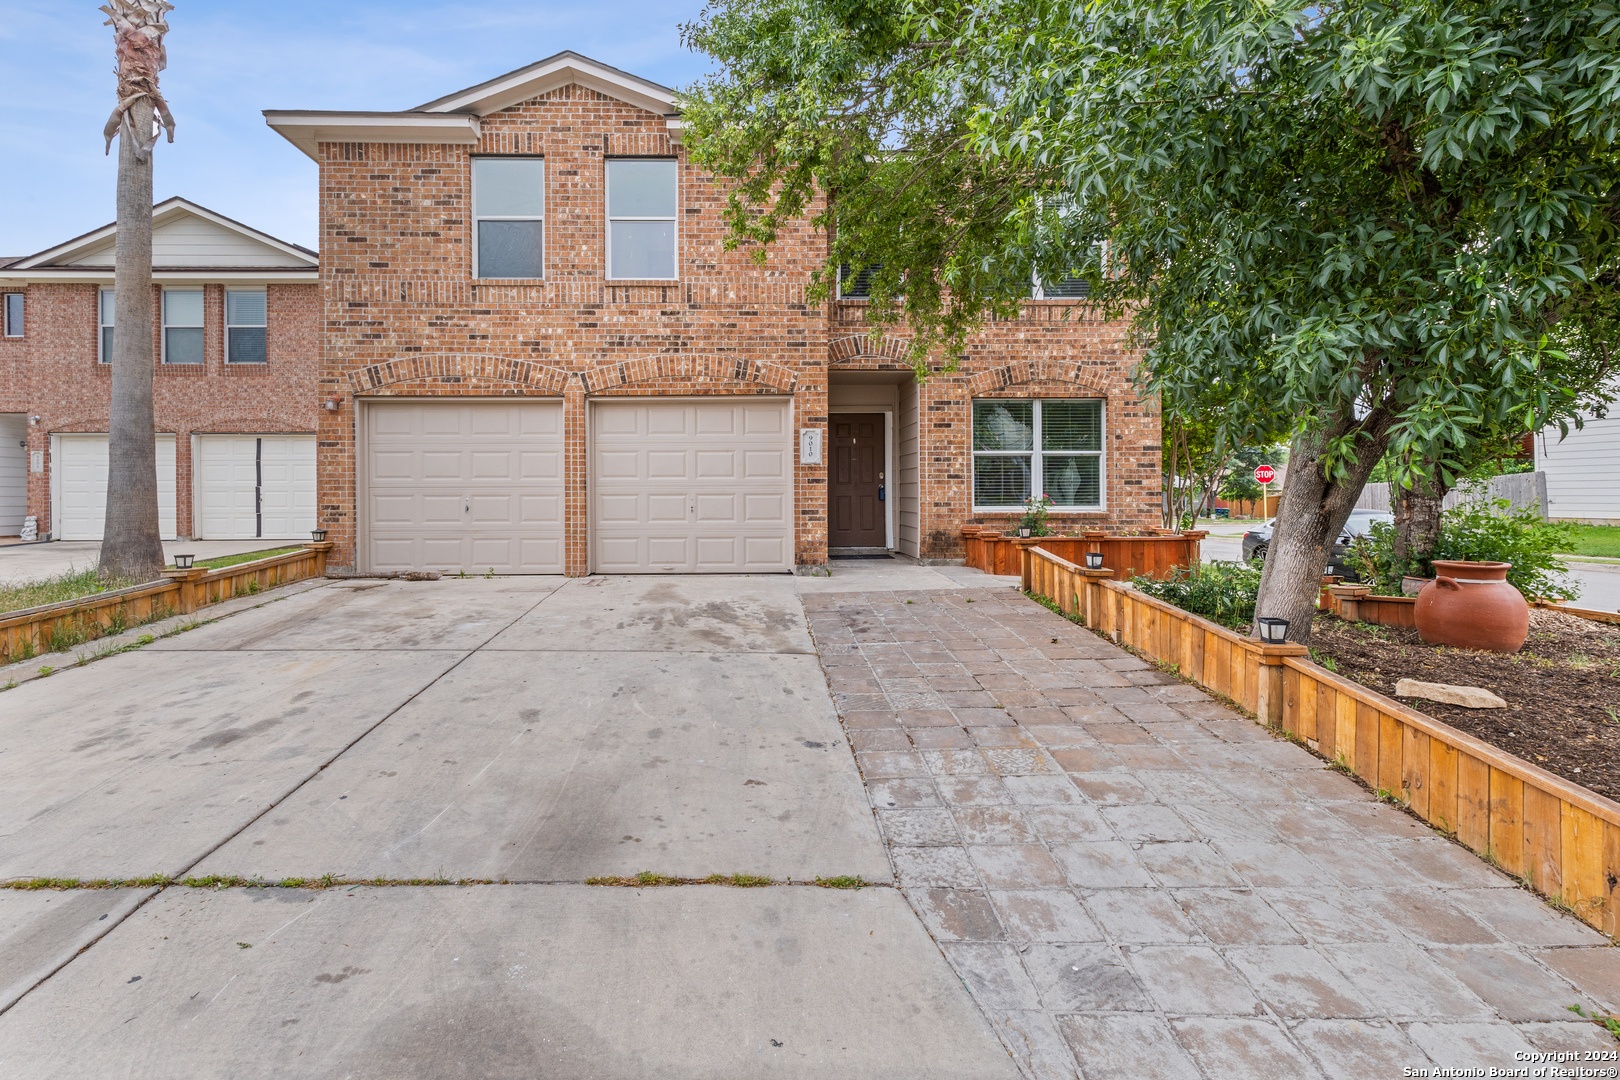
pixel 641 198
pixel 246 326
pixel 1049 447
pixel 509 213
pixel 14 314
pixel 182 326
pixel 1066 288
pixel 104 339
pixel 856 284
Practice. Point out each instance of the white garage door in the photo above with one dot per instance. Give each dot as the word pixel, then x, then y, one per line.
pixel 79 487
pixel 472 486
pixel 255 486
pixel 13 472
pixel 695 487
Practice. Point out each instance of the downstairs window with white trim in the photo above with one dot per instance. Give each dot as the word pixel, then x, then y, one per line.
pixel 1040 446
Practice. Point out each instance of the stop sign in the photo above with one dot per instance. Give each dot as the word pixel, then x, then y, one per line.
pixel 1264 474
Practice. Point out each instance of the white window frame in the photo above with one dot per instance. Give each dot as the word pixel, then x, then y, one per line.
pixel 164 326
pixel 103 327
pixel 5 313
pixel 1037 473
pixel 225 337
pixel 607 222
pixel 545 200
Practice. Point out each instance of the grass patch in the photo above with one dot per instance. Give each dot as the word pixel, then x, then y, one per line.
pixel 1601 541
pixel 246 556
pixel 842 882
pixel 68 585
pixel 649 880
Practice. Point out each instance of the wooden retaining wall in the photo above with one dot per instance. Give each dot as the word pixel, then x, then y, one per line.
pixel 1561 837
pixel 33 631
pixel 1148 556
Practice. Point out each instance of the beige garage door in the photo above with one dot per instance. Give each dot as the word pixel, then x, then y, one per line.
pixel 695 487
pixel 473 486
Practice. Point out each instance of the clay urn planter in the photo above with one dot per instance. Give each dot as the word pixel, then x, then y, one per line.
pixel 1470 605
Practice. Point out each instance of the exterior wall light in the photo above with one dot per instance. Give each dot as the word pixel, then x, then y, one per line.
pixel 333 403
pixel 317 535
pixel 183 562
pixel 1094 560
pixel 1273 631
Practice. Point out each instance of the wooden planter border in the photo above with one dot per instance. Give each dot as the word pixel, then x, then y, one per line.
pixel 1157 556
pixel 181 592
pixel 1561 838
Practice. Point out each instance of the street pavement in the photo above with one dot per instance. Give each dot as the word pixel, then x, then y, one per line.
pixel 22 563
pixel 1075 866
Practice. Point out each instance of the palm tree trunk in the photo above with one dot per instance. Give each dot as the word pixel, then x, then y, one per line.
pixel 131 546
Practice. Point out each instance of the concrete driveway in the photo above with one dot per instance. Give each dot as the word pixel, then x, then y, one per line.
pixel 527 732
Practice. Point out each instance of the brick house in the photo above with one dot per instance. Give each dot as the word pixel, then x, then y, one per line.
pixel 543 360
pixel 235 341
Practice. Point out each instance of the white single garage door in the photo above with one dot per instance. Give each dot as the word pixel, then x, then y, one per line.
pixel 472 486
pixel 13 472
pixel 79 487
pixel 255 487
pixel 691 486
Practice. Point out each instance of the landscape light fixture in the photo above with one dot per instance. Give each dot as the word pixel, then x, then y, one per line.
pixel 1094 560
pixel 317 535
pixel 1273 631
pixel 1023 531
pixel 183 562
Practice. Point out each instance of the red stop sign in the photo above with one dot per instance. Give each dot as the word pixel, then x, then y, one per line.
pixel 1264 474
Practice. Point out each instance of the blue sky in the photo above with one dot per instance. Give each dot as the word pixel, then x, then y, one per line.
pixel 229 60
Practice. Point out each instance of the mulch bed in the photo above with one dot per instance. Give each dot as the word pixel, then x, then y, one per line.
pixel 1562 688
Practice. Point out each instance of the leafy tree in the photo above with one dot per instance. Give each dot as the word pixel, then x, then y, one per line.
pixel 1385 221
pixel 1240 482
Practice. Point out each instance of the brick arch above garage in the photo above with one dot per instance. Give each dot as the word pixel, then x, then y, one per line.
pixel 461 370
pixel 693 374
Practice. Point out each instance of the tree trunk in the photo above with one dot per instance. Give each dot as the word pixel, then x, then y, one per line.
pixel 131 546
pixel 1417 518
pixel 1311 517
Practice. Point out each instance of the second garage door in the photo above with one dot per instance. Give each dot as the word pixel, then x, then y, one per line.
pixel 694 487
pixel 255 486
pixel 473 486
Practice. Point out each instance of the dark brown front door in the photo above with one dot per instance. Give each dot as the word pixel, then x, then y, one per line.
pixel 856 483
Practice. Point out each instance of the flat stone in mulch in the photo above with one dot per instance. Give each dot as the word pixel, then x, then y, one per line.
pixel 1135 881
pixel 1562 688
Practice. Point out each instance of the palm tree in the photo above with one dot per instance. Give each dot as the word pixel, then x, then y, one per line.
pixel 131 546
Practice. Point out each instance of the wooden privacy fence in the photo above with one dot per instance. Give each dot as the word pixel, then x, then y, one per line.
pixel 32 631
pixel 1148 556
pixel 1562 838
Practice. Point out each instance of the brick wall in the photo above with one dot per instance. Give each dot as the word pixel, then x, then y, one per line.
pixel 53 373
pixel 403 317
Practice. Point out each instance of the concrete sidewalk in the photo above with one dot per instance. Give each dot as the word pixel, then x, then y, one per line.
pixel 1135 881
pixel 22 563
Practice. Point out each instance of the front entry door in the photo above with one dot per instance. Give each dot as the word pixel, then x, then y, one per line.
pixel 856 486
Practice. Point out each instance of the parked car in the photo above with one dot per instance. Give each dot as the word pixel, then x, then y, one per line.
pixel 1257 541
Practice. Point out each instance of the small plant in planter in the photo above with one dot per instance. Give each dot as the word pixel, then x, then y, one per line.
pixel 1033 523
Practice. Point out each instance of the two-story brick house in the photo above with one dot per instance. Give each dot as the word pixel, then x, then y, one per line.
pixel 541 359
pixel 235 338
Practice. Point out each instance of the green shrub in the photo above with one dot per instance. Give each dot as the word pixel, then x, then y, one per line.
pixel 1221 592
pixel 1482 530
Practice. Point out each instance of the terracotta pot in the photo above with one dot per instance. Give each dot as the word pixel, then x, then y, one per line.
pixel 1470 605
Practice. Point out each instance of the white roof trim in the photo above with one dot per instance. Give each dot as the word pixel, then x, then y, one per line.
pixel 307 129
pixel 63 254
pixel 552 74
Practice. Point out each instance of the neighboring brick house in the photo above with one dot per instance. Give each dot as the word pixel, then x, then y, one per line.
pixel 542 359
pixel 235 339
